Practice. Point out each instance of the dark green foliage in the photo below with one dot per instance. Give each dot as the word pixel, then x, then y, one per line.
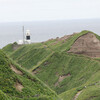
pixel 3 96
pixel 34 53
pixel 9 48
pixel 33 88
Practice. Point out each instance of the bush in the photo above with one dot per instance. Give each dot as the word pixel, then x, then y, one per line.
pixel 3 96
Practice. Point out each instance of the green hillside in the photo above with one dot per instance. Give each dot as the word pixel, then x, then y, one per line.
pixel 38 52
pixel 68 74
pixel 17 84
pixel 35 52
pixel 76 71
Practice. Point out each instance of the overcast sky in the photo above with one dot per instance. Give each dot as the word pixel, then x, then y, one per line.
pixel 30 10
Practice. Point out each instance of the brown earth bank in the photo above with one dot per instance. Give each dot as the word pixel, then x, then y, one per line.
pixel 61 78
pixel 87 45
pixel 16 70
pixel 19 86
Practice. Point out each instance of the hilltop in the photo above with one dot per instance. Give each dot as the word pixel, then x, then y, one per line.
pixel 87 44
pixel 18 84
pixel 69 65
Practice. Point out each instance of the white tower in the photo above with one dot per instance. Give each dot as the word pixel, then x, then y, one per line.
pixel 27 37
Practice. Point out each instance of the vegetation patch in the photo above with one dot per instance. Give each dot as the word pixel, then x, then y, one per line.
pixel 14 86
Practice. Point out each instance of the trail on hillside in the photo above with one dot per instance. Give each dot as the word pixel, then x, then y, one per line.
pixel 76 96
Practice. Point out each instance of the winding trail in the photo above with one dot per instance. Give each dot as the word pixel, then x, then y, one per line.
pixel 76 96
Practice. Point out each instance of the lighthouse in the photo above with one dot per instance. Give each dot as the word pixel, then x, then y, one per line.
pixel 27 37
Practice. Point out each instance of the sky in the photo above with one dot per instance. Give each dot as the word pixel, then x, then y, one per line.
pixel 31 10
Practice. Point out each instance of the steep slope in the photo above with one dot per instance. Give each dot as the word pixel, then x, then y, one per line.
pixel 17 84
pixel 56 63
pixel 11 47
pixel 64 43
pixel 66 71
pixel 32 55
pixel 29 55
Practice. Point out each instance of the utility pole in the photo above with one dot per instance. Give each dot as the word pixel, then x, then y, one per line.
pixel 23 34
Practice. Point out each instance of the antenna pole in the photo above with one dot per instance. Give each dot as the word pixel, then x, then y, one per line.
pixel 23 34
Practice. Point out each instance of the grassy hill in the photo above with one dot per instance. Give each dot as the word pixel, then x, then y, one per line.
pixel 72 76
pixel 66 71
pixel 38 52
pixel 18 84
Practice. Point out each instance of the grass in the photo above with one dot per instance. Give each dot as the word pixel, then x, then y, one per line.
pixel 88 93
pixel 80 68
pixel 35 53
pixel 31 55
pixel 3 96
pixel 52 61
pixel 68 95
pixel 32 85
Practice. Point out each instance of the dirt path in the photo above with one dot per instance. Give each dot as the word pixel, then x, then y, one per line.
pixel 16 70
pixel 76 96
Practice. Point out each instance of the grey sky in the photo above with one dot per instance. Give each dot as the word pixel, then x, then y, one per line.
pixel 30 10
